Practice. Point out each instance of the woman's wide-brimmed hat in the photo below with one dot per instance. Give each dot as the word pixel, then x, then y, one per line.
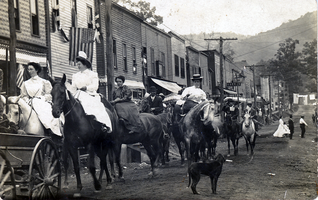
pixel 197 77
pixel 83 58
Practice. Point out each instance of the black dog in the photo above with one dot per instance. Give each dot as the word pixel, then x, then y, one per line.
pixel 213 170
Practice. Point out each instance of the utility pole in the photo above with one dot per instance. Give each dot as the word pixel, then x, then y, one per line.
pixel 221 70
pixel 109 49
pixel 12 49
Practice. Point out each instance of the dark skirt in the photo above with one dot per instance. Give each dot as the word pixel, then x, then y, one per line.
pixel 128 112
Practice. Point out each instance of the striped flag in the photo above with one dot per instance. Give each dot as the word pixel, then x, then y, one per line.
pixel 20 73
pixel 82 39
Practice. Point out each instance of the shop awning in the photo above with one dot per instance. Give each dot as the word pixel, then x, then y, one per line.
pixel 134 84
pixel 171 86
pixel 229 91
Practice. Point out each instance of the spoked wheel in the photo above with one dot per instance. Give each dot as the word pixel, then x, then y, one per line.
pixel 45 171
pixel 7 182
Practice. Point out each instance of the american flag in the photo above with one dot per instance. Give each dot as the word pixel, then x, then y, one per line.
pixel 82 39
pixel 20 78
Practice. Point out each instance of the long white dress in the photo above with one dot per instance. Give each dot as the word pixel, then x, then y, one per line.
pixel 37 92
pixel 282 129
pixel 90 99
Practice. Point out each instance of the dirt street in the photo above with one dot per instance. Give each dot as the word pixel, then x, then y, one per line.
pixel 281 169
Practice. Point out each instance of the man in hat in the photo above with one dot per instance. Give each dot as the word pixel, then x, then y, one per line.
pixel 193 95
pixel 231 110
pixel 155 101
pixel 252 112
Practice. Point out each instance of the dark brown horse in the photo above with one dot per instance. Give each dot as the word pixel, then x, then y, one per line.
pixel 193 127
pixel 79 131
pixel 232 130
pixel 149 138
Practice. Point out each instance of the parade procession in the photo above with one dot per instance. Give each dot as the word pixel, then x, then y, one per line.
pixel 146 99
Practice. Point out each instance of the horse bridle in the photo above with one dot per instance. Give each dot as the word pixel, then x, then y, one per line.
pixel 20 111
pixel 67 99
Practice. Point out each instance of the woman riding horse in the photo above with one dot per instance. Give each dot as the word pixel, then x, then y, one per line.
pixel 127 110
pixel 86 84
pixel 37 93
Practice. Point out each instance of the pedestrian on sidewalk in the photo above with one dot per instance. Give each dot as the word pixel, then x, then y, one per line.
pixel 302 125
pixel 291 126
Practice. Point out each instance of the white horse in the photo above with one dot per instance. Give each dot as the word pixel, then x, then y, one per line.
pixel 22 115
pixel 249 133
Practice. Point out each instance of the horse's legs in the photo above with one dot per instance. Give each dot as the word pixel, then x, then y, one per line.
pixel 74 155
pixel 117 151
pixel 236 146
pixel 150 154
pixel 228 144
pixel 103 165
pixel 65 163
pixel 91 164
pixel 111 162
pixel 181 150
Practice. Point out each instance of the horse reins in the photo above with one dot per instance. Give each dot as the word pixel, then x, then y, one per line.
pixel 68 98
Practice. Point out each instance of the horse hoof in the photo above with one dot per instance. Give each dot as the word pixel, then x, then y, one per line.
pixel 77 195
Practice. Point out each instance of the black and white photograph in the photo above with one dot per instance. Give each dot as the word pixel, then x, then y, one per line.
pixel 158 99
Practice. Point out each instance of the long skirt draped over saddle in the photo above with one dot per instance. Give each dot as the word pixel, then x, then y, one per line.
pixel 128 111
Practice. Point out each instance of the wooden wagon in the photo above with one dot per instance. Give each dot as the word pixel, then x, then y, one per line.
pixel 29 166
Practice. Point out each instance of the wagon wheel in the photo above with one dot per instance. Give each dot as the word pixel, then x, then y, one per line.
pixel 44 171
pixel 7 182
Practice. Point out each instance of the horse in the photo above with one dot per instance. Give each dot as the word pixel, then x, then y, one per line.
pixel 149 138
pixel 175 130
pixel 165 119
pixel 23 116
pixel 193 126
pixel 79 130
pixel 249 133
pixel 144 106
pixel 232 130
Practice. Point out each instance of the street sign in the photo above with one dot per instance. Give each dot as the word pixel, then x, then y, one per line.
pixel 233 84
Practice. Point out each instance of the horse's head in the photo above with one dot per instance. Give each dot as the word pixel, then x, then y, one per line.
pixel 59 96
pixel 13 109
pixel 247 120
pixel 208 110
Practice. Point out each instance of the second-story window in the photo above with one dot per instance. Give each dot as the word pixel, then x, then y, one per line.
pixel 34 17
pixel 133 53
pixel 182 68
pixel 89 17
pixel 176 65
pixel 125 57
pixel 17 15
pixel 115 54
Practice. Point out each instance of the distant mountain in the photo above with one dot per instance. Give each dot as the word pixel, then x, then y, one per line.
pixel 262 46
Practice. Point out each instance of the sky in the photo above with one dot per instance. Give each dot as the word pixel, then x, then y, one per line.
pixel 246 17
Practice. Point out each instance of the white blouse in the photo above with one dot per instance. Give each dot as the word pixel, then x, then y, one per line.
pixel 195 94
pixel 36 87
pixel 86 78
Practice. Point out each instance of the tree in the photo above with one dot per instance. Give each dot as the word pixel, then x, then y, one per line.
pixel 143 10
pixel 286 66
pixel 309 59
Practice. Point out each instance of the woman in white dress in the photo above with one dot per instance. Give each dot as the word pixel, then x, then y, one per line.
pixel 37 93
pixel 282 129
pixel 85 82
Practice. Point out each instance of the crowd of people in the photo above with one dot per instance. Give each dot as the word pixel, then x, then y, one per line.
pixel 36 92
